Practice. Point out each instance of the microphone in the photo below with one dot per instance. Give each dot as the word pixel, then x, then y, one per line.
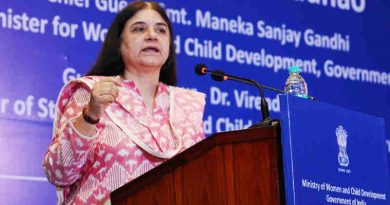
pixel 200 69
pixel 219 75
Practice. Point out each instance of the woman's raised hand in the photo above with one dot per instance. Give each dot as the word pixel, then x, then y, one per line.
pixel 103 93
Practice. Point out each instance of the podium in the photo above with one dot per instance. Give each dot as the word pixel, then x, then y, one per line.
pixel 237 167
pixel 332 155
pixel 319 154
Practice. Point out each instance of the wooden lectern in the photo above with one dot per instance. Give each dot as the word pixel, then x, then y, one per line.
pixel 238 167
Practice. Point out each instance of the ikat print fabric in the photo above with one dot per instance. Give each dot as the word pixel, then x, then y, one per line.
pixel 128 141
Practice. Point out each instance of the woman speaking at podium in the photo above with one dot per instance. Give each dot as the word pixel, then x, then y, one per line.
pixel 125 116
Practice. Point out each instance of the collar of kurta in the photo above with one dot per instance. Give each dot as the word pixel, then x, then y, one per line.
pixel 131 101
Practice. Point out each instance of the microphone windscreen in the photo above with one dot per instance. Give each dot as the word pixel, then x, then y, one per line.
pixel 218 75
pixel 200 69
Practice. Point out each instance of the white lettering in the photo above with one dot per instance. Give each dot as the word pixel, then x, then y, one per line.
pixel 335 42
pixel 355 74
pixel 217 96
pixel 238 25
pixel 266 60
pixel 282 34
pixel 46 108
pixel 24 107
pixel 3 104
pixel 225 124
pixel 388 146
pixel 63 29
pixel 178 16
pixel 177 44
pixel 22 22
pixel 75 3
pixel 357 6
pixel 205 49
pixel 112 6
pixel 208 125
pixel 94 32
pixel 69 74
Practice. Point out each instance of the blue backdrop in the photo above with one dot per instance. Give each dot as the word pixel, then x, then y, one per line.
pixel 342 47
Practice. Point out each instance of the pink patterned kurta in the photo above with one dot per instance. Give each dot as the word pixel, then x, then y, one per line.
pixel 128 142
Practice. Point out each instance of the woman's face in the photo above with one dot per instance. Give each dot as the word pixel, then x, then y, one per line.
pixel 145 41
